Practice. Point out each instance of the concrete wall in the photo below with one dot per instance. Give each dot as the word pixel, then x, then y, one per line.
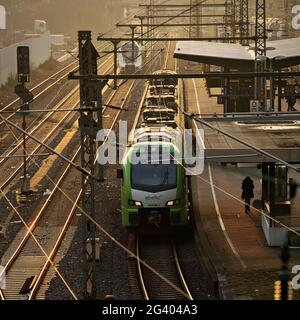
pixel 40 51
pixel 275 236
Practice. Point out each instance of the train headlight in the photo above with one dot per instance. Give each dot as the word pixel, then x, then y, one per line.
pixel 135 203
pixel 173 203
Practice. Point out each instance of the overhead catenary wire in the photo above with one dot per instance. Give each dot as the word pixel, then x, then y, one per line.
pixel 103 230
pixel 29 229
pixel 145 64
pixel 132 16
pixel 261 212
pixel 100 229
pixel 170 19
pixel 257 150
pixel 37 242
pixel 9 123
pixel 242 142
pixel 76 166
pixel 251 147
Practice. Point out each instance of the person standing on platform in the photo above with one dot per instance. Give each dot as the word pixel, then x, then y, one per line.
pixel 248 194
pixel 291 101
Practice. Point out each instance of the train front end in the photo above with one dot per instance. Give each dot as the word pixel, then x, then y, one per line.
pixel 130 58
pixel 154 190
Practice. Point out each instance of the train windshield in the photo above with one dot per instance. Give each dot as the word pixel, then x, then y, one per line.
pixel 154 178
pixel 127 52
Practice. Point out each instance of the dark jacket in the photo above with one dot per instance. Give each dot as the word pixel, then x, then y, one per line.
pixel 248 187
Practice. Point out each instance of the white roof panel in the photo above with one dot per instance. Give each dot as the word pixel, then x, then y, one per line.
pixel 213 50
pixel 286 51
pixel 288 48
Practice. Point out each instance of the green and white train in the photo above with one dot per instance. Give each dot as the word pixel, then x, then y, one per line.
pixel 154 189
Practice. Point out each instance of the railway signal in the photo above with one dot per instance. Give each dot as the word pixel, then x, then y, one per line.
pixel 23 63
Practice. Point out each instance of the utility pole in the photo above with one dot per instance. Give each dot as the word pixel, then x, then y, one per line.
pixel 142 28
pixel 26 96
pixel 132 48
pixel 229 19
pixel 90 123
pixel 260 28
pixel 242 18
pixel 152 32
pixel 195 19
pixel 115 45
pixel 242 30
pixel 260 52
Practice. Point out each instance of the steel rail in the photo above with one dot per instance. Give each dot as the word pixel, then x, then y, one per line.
pixel 41 92
pixel 140 273
pixel 48 263
pixel 175 263
pixel 49 135
pixel 180 273
pixel 62 234
pixel 119 111
pixel 143 286
pixel 218 75
pixel 50 113
pixel 45 81
pixel 43 209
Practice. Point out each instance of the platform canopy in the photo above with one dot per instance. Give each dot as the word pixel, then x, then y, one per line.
pixel 283 53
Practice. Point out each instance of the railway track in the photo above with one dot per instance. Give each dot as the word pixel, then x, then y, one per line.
pixel 162 256
pixel 42 128
pixel 47 95
pixel 71 98
pixel 157 273
pixel 28 252
pixel 32 118
pixel 48 267
pixel 47 272
pixel 40 89
pixel 26 260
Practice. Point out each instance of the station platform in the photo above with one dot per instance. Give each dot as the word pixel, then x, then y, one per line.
pixel 238 248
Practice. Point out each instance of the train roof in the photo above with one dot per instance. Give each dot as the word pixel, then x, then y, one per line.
pixel 128 45
pixel 158 108
pixel 164 71
pixel 146 153
pixel 143 147
pixel 164 132
pixel 162 85
pixel 161 96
